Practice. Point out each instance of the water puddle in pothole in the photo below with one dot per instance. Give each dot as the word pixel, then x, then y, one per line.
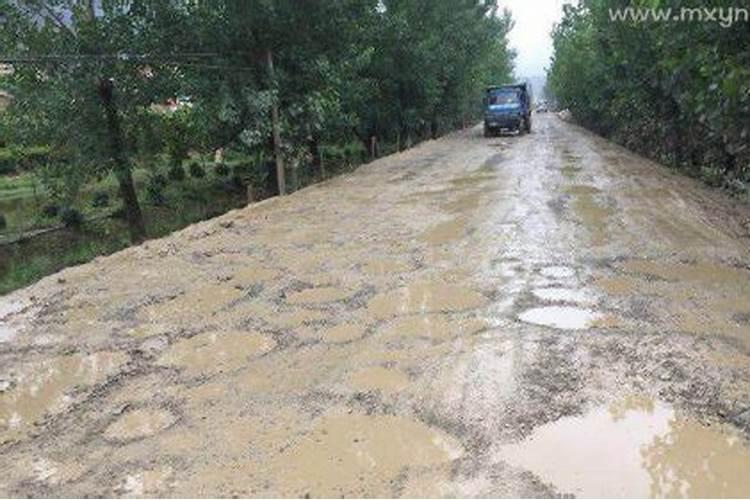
pixel 635 448
pixel 216 352
pixel 425 298
pixel 560 317
pixel 42 387
pixel 555 294
pixel 385 266
pixel 343 333
pixel 557 272
pixel 445 232
pixel 319 295
pixel 358 455
pixel 379 378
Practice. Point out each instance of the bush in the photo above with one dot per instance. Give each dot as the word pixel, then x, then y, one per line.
pixel 176 173
pixel 14 158
pixel 221 170
pixel 196 170
pixel 71 217
pixel 7 161
pixel 50 211
pixel 155 189
pixel 100 200
pixel 3 222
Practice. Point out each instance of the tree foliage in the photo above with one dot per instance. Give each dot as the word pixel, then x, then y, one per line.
pixel 678 91
pixel 91 76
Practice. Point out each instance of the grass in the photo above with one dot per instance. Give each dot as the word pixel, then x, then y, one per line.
pixel 29 259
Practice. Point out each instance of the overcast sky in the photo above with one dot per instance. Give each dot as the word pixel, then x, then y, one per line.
pixel 531 34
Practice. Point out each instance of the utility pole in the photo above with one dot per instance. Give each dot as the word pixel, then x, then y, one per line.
pixel 280 175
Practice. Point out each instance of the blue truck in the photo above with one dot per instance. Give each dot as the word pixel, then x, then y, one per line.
pixel 507 108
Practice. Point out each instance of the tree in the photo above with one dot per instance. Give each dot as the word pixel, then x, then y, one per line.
pixel 84 74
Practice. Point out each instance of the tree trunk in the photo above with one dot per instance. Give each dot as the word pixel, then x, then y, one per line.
pixel 123 174
pixel 317 157
pixel 276 134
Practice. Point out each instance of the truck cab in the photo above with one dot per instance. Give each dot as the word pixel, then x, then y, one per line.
pixel 507 108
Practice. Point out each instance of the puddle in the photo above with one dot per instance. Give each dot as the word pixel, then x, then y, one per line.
pixel 216 352
pixel 342 333
pixel 445 232
pixel 593 216
pixel 359 455
pixel 384 266
pixel 139 424
pixel 41 388
pixel 582 190
pixel 378 378
pixel 317 295
pixel 560 317
pixel 557 272
pixel 463 204
pixel 431 326
pixel 553 294
pixel 703 273
pixel 252 275
pixel 635 448
pixel 197 304
pixel 425 298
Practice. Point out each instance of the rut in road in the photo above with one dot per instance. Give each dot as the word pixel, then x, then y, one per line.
pixel 470 317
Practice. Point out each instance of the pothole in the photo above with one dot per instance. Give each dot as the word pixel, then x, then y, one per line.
pixel 378 378
pixel 425 298
pixel 557 272
pixel 342 333
pixel 560 317
pixel 358 455
pixel 635 448
pixel 215 352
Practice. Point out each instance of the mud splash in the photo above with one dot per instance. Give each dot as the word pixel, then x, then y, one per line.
pixel 216 352
pixel 41 388
pixel 635 448
pixel 425 298
pixel 560 317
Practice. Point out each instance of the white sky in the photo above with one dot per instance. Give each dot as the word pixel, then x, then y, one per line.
pixel 531 34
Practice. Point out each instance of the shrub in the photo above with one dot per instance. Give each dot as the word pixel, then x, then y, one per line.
pixel 176 173
pixel 50 211
pixel 221 169
pixel 71 217
pixel 13 159
pixel 196 170
pixel 7 161
pixel 3 222
pixel 100 200
pixel 155 189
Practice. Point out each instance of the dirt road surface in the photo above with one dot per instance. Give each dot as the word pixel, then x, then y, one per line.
pixel 536 315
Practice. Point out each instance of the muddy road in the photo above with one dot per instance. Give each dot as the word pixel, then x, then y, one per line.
pixel 537 315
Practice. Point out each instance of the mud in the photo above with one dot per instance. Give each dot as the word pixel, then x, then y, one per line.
pixel 529 316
